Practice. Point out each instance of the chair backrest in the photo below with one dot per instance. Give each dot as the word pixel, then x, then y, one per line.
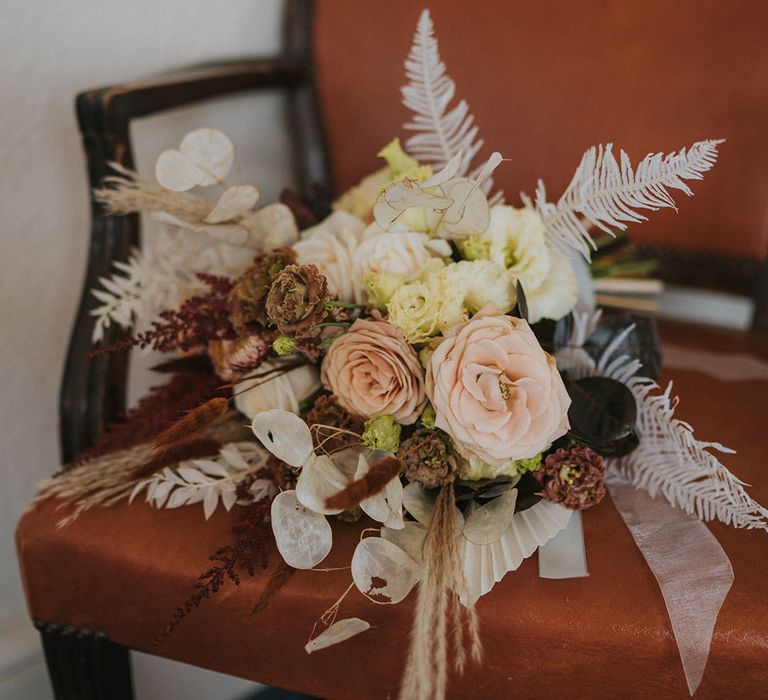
pixel 547 79
pixel 93 389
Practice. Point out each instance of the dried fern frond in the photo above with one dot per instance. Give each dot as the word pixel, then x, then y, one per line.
pixel 669 459
pixel 441 132
pixel 609 195
pixel 209 481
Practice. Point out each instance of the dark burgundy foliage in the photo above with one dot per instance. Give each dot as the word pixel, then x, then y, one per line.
pixel 304 216
pixel 159 409
pixel 252 535
pixel 199 319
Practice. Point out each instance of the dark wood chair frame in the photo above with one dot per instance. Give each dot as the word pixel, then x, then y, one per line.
pixel 85 663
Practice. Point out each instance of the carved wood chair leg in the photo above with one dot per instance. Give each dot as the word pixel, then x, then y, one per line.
pixel 85 664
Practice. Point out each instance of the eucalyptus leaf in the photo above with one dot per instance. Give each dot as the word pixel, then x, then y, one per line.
pixel 521 307
pixel 603 413
pixel 641 343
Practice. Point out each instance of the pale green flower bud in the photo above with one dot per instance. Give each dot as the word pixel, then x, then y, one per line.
pixel 475 247
pixel 476 469
pixel 428 417
pixel 283 345
pixel 382 433
pixel 381 286
pixel 401 165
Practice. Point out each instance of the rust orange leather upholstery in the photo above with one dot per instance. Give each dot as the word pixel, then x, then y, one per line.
pixel 547 79
pixel 125 569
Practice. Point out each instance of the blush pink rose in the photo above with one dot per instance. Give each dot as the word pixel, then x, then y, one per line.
pixel 374 372
pixel 495 391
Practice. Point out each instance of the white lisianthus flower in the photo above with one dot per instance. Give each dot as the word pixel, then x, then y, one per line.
pixel 284 391
pixel 482 282
pixel 426 307
pixel 557 294
pixel 330 245
pixel 398 251
pixel 516 238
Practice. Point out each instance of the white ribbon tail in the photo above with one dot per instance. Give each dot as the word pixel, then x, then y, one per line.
pixel 564 556
pixel 690 566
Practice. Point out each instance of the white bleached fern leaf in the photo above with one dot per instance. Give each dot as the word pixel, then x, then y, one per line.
pixel 669 459
pixel 161 276
pixel 209 481
pixel 441 131
pixel 609 194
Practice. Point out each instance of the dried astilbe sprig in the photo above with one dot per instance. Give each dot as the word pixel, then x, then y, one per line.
pixel 252 536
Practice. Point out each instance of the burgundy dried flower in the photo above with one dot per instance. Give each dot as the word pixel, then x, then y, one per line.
pixel 247 298
pixel 574 477
pixel 328 412
pixel 428 457
pixel 297 299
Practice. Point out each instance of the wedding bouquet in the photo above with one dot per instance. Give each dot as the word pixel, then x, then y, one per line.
pixel 426 359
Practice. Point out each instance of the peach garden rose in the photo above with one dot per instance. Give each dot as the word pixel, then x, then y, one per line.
pixel 495 391
pixel 373 372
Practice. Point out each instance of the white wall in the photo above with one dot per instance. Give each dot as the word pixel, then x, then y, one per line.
pixel 49 51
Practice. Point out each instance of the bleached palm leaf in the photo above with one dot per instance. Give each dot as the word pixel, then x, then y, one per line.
pixel 609 195
pixel 669 459
pixel 441 132
pixel 208 481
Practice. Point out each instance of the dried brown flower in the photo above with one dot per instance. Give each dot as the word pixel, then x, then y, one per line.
pixel 282 474
pixel 328 412
pixel 233 358
pixel 428 457
pixel 574 477
pixel 246 300
pixel 297 299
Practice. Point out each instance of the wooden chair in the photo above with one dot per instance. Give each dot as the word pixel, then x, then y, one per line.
pixel 345 63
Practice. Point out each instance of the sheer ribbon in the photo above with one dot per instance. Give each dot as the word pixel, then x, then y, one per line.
pixel 691 568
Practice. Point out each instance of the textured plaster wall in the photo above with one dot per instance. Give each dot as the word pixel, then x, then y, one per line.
pixel 49 51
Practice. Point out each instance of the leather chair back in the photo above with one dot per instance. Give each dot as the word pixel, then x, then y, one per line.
pixel 547 79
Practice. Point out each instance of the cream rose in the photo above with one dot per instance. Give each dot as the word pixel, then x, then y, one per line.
pixel 495 391
pixel 330 245
pixel 426 307
pixel 284 391
pixel 398 251
pixel 374 372
pixel 482 282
